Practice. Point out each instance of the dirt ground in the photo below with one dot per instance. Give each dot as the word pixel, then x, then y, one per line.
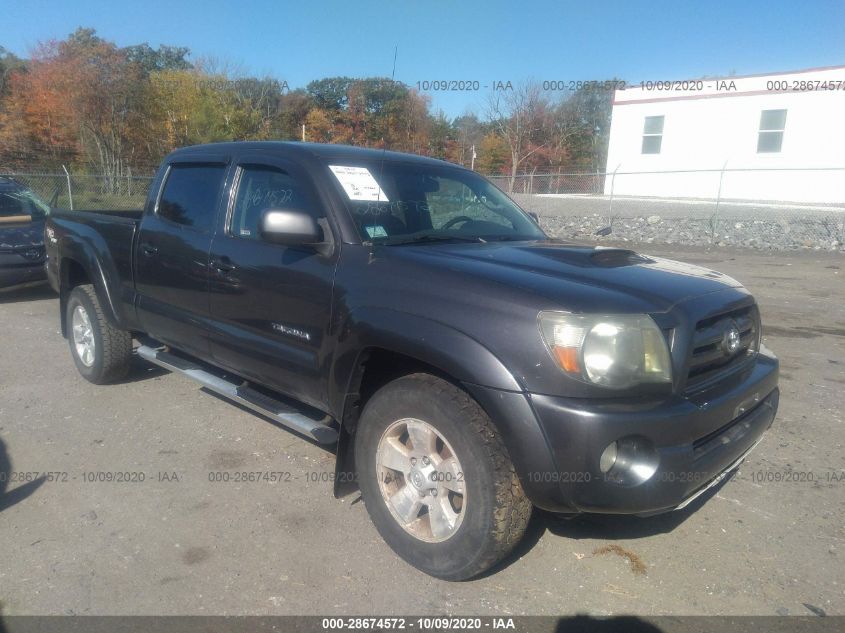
pixel 769 541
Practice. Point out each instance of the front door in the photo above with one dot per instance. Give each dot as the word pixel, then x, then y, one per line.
pixel 271 304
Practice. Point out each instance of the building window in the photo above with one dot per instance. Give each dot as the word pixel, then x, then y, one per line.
pixel 770 136
pixel 652 134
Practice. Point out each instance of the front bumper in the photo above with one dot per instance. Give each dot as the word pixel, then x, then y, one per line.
pixel 695 440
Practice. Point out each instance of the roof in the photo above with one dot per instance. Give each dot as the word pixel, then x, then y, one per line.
pixel 10 184
pixel 829 80
pixel 321 151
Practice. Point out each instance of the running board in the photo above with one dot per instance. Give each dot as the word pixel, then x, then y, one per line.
pixel 285 414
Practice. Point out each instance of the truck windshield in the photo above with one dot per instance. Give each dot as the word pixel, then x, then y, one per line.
pixel 400 203
pixel 20 202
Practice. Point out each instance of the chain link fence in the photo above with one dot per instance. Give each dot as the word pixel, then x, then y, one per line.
pixel 577 206
pixel 86 191
pixel 551 183
pixel 758 208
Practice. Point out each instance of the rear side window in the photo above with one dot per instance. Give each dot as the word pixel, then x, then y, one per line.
pixel 11 205
pixel 190 195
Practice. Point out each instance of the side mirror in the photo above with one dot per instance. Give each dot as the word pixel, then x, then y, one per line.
pixel 289 228
pixel 534 217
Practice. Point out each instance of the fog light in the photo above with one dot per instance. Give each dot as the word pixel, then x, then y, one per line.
pixel 608 457
pixel 629 461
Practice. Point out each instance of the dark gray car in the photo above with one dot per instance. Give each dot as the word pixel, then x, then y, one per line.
pixel 22 216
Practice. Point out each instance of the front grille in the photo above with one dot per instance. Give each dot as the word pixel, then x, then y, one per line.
pixel 711 358
pixel 34 253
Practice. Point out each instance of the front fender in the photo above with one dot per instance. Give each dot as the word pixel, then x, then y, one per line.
pixel 432 342
pixel 455 353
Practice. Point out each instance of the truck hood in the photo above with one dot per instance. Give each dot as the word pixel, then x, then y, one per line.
pixel 550 268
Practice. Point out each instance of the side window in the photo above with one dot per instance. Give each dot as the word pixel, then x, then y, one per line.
pixel 770 135
pixel 652 134
pixel 11 205
pixel 190 195
pixel 261 188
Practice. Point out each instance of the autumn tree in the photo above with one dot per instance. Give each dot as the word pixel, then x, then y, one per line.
pixel 81 95
pixel 319 127
pixel 84 101
pixel 493 154
pixel 37 121
pixel 522 118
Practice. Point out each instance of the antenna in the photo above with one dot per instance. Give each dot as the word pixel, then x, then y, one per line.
pixel 392 81
pixel 384 141
pixel 387 128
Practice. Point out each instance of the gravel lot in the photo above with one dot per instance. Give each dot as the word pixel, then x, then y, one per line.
pixel 178 543
pixel 673 221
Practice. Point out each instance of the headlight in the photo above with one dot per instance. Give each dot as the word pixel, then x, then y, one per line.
pixel 615 351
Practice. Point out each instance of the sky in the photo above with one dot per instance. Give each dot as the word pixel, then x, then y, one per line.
pixel 484 41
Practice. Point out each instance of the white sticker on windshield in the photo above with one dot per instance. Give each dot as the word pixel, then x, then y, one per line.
pixel 358 183
pixel 376 231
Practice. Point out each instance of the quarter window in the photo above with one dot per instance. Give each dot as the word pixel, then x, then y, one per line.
pixel 190 195
pixel 770 136
pixel 652 134
pixel 260 189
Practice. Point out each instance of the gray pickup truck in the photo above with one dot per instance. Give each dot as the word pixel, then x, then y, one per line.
pixel 466 367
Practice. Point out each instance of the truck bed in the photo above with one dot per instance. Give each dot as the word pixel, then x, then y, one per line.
pixel 109 234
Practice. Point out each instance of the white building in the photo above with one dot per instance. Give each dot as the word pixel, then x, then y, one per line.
pixel 776 136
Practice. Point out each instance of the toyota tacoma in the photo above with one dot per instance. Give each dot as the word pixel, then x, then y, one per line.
pixel 466 366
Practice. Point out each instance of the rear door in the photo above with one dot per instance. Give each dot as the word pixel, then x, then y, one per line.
pixel 172 256
pixel 271 304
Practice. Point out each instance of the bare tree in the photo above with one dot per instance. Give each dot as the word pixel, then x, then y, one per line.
pixel 521 117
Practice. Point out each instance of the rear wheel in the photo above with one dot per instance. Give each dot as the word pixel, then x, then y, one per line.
pixel 436 478
pixel 101 352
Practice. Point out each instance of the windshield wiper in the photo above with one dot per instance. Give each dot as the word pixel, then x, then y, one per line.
pixel 430 237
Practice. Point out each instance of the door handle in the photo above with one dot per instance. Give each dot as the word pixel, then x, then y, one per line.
pixel 223 265
pixel 148 249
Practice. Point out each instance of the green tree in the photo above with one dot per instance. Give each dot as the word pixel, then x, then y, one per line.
pixel 331 93
pixel 9 63
pixel 151 59
pixel 293 108
pixel 586 116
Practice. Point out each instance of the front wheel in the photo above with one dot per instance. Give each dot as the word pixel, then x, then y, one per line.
pixel 436 478
pixel 101 352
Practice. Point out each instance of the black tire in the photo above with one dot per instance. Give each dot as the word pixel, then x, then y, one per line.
pixel 112 347
pixel 496 512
